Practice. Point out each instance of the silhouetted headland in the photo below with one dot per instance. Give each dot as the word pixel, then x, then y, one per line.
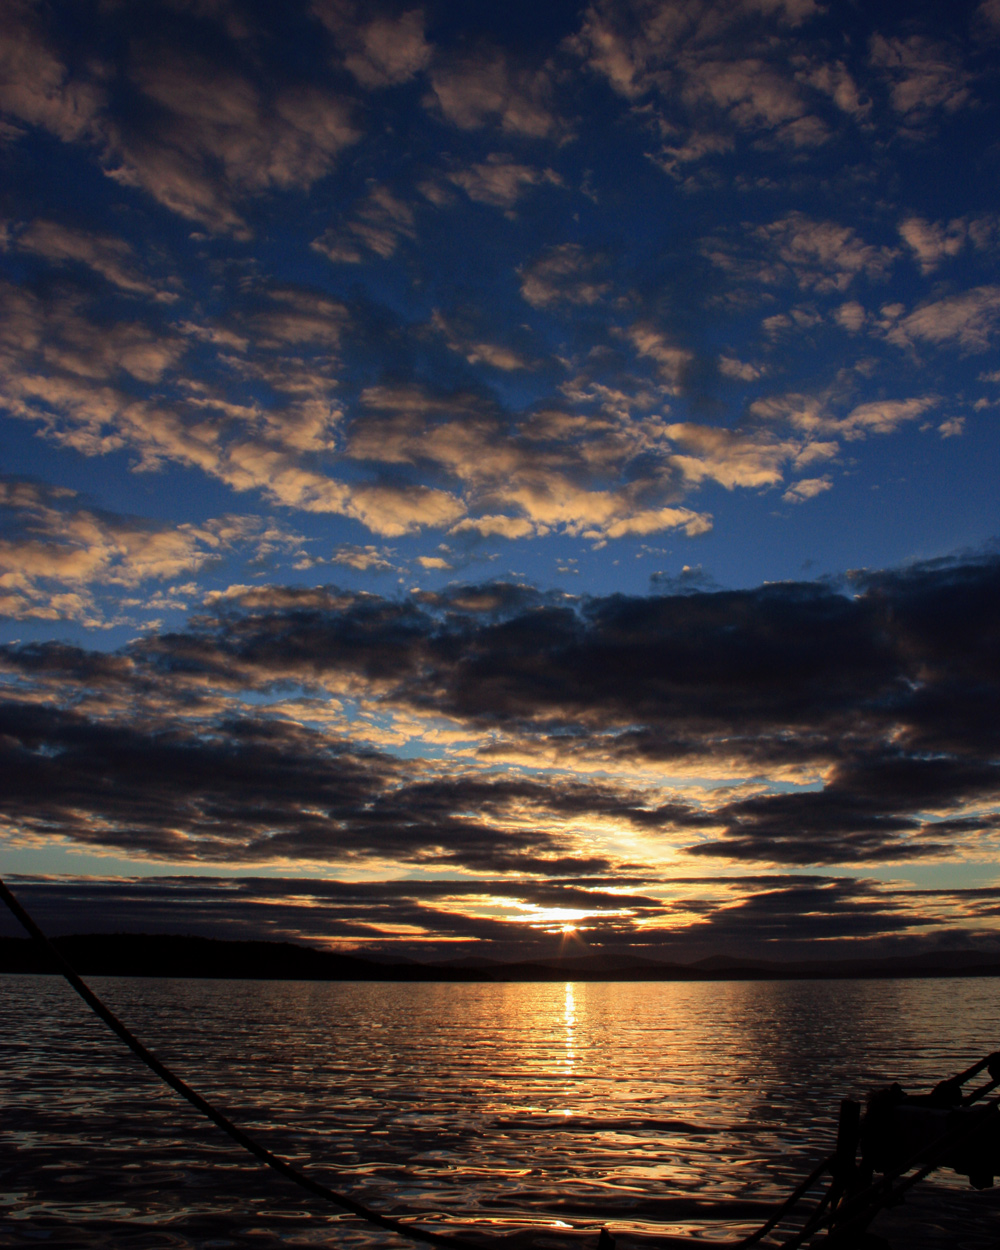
pixel 169 955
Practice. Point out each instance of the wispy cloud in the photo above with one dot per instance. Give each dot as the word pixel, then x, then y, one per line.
pixel 922 74
pixel 934 242
pixel 968 320
pixel 55 552
pixel 565 274
pixel 380 222
pixel 820 256
pixel 815 416
pixel 113 258
pixel 380 49
pixel 500 180
pixel 487 88
pixel 37 86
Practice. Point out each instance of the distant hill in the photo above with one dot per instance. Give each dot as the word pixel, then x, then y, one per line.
pixel 169 955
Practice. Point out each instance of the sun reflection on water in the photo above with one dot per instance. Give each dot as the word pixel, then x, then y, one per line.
pixel 569 1023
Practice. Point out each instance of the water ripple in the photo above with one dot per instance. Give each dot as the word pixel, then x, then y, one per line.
pixel 532 1113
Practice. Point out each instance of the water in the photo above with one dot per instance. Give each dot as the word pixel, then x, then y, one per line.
pixel 532 1112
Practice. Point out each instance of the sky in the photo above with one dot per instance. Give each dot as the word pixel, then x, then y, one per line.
pixel 495 479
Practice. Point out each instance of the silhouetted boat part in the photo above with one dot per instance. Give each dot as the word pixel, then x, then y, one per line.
pixel 901 1137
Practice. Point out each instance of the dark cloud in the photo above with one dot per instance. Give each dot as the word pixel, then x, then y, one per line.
pixel 882 694
pixel 768 916
pixel 868 810
pixel 254 790
pixel 748 663
pixel 784 911
pixel 866 684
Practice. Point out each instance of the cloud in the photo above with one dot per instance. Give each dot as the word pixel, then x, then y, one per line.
pixel 741 370
pixel 690 580
pixel 500 180
pixel 564 274
pixel 923 75
pixel 800 317
pixel 654 521
pixel 388 49
pixel 869 810
pixel 988 12
pixel 823 255
pixel 363 559
pixel 617 474
pixel 755 95
pixel 879 417
pixel 931 242
pixel 838 722
pixel 475 89
pixel 835 80
pixel 113 258
pixel 533 472
pixel 462 338
pixel 851 315
pixel 837 656
pixel 508 915
pixel 769 915
pixel 268 420
pixel 968 320
pixel 404 457
pixel 35 85
pixel 732 458
pixel 807 488
pixel 812 415
pixel 57 336
pixel 672 157
pixel 64 372
pixel 820 256
pixel 672 361
pixel 873 705
pixel 868 708
pixel 55 551
pixel 635 46
pixel 197 134
pixel 213 137
pixel 952 428
pixel 816 917
pixel 270 791
pixel 934 242
pixel 380 223
pixel 707 74
pixel 499 526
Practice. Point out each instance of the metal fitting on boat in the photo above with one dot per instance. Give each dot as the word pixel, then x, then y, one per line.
pixel 901 1129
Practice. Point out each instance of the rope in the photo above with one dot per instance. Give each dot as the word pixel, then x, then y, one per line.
pixel 786 1206
pixel 811 1224
pixel 273 1161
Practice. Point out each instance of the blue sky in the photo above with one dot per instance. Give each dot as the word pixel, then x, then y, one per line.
pixel 566 434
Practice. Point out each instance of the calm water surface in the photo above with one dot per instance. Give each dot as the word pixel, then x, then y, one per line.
pixel 532 1112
